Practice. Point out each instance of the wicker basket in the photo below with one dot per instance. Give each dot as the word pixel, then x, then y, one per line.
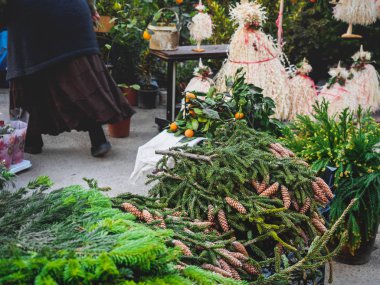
pixel 165 37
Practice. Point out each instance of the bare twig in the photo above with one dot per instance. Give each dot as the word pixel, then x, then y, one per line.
pixel 185 154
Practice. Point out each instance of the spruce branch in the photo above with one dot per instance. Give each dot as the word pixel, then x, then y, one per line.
pixel 186 154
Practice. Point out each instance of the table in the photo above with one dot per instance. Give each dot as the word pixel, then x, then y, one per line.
pixel 172 57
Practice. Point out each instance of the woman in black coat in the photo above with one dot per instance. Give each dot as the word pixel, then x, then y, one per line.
pixel 56 73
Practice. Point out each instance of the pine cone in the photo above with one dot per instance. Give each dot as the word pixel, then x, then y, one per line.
pixel 240 248
pixel 239 256
pixel 147 217
pixel 263 186
pixel 295 205
pixel 185 249
pixel 224 265
pixel 179 267
pixel 285 196
pixel 302 234
pixel 280 247
pixel 229 258
pixel 318 225
pixel 250 269
pixel 275 153
pixel 218 270
pixel 271 190
pixel 223 221
pixel 256 185
pixel 235 274
pixel 162 222
pixel 300 161
pixel 236 205
pixel 325 188
pixel 306 206
pixel 319 218
pixel 279 149
pixel 177 214
pixel 211 214
pixel 288 151
pixel 319 193
pixel 133 210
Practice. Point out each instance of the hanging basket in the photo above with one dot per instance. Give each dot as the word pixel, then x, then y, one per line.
pixel 164 37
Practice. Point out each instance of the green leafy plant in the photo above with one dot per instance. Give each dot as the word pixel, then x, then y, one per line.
pixel 350 143
pixel 346 141
pixel 109 7
pixel 204 113
pixel 223 27
pixel 145 68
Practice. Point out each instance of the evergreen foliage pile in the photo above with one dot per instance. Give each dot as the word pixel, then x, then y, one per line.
pixel 240 186
pixel 73 236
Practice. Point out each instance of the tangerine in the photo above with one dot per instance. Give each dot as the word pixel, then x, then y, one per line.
pixel 189 133
pixel 191 96
pixel 147 36
pixel 239 116
pixel 173 127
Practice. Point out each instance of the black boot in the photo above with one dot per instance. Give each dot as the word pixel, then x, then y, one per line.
pixel 99 144
pixel 33 143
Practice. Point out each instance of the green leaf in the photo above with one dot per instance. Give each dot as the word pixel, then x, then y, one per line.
pixel 212 114
pixel 195 124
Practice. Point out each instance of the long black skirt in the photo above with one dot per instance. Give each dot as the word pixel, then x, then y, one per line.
pixel 72 95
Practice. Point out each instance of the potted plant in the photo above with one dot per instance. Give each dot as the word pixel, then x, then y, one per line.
pixel 130 92
pixel 147 95
pixel 348 141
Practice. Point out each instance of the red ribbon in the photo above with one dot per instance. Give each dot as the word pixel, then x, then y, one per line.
pixel 252 62
pixel 309 79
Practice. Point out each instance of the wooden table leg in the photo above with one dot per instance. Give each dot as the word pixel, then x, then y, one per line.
pixel 171 101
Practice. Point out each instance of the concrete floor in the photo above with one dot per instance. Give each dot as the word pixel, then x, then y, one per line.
pixel 66 160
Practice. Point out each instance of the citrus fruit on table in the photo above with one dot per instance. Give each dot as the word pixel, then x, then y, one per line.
pixel 190 96
pixel 189 133
pixel 146 35
pixel 173 127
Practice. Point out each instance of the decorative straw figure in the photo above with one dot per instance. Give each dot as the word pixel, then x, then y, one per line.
pixel 201 26
pixel 366 79
pixel 258 55
pixel 303 90
pixel 355 12
pixel 201 82
pixel 339 91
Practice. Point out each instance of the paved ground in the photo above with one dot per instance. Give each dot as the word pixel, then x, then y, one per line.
pixel 66 159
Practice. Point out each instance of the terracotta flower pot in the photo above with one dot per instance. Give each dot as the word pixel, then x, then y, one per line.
pixel 120 129
pixel 131 95
pixel 104 25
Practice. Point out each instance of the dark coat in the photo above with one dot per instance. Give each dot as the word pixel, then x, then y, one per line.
pixel 46 32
